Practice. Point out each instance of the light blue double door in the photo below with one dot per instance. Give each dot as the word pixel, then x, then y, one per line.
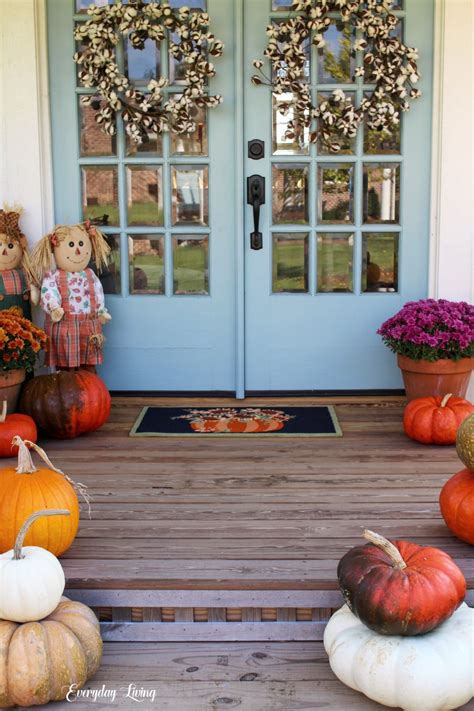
pixel 344 238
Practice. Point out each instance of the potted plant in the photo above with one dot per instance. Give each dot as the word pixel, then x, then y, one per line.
pixel 20 343
pixel 434 343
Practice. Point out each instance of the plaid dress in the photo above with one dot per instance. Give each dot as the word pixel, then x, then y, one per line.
pixel 14 291
pixel 77 339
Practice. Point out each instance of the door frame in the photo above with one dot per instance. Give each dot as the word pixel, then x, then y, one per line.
pixel 28 141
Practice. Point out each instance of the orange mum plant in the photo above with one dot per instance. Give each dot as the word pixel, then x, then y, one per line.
pixel 20 340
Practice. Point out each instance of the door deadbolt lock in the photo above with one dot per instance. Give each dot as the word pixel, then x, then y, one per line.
pixel 256 149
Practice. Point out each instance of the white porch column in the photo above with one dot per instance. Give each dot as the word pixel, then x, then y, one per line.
pixel 452 235
pixel 25 147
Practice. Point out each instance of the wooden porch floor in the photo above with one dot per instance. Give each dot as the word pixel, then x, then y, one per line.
pixel 253 514
pixel 247 676
pixel 244 535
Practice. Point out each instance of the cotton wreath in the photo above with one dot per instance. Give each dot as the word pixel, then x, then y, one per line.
pixel 146 110
pixel 387 63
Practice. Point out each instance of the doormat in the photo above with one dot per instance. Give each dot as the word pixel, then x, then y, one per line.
pixel 242 421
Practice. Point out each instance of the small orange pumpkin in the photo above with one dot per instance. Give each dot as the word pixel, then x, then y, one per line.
pixel 456 502
pixel 26 489
pixel 11 425
pixel 435 420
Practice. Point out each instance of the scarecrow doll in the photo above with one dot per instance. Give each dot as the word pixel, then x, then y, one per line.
pixel 72 295
pixel 17 280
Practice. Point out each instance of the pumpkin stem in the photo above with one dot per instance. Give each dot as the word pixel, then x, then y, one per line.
pixel 28 523
pixel 444 401
pixel 25 462
pixel 387 547
pixel 26 466
pixel 3 414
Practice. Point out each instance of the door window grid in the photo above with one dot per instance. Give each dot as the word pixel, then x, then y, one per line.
pixel 367 149
pixel 165 214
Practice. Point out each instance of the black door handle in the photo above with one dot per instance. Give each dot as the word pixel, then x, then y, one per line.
pixel 256 198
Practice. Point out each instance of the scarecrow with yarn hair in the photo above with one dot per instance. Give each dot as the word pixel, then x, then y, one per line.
pixel 72 295
pixel 18 283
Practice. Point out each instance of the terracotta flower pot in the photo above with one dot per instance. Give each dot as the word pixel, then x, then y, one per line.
pixel 423 378
pixel 10 386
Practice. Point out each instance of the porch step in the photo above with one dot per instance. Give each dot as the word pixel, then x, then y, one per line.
pixel 213 616
pixel 263 676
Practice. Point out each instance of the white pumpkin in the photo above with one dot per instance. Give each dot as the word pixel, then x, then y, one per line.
pixel 430 672
pixel 31 578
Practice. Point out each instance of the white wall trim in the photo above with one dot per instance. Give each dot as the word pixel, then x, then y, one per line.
pixel 452 209
pixel 436 172
pixel 44 117
pixel 25 141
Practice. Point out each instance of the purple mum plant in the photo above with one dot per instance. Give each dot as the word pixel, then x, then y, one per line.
pixel 431 329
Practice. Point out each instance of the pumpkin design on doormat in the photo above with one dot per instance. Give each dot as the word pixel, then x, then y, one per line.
pixel 229 419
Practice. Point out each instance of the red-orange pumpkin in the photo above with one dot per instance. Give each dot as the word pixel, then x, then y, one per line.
pixel 67 404
pixel 12 425
pixel 456 502
pixel 435 420
pixel 400 588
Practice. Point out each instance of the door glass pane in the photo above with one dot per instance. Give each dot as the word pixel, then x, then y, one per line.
pixel 335 261
pixel 145 195
pixel 348 144
pixel 290 263
pixel 110 275
pixel 146 264
pixel 299 145
pixel 369 76
pixel 100 195
pixel 190 265
pixel 190 195
pixel 192 4
pixel 141 65
pixel 82 5
pixel 177 64
pixel 281 5
pixel 92 139
pixel 335 193
pixel 290 194
pixel 194 144
pixel 152 145
pixel 381 192
pixel 305 46
pixel 380 261
pixel 382 142
pixel 336 65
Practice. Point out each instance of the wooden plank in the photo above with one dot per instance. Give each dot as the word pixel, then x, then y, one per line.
pixel 246 696
pixel 200 661
pixel 215 511
pixel 150 614
pixel 278 549
pixel 212 574
pixel 254 529
pixel 213 632
pixel 212 598
pixel 216 614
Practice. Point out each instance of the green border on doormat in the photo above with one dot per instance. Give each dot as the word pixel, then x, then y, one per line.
pixel 248 435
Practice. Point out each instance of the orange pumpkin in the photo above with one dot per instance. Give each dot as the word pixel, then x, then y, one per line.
pixel 456 502
pixel 400 588
pixel 26 489
pixel 435 420
pixel 11 425
pixel 67 404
